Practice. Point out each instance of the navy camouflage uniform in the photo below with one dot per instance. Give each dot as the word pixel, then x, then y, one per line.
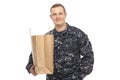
pixel 73 55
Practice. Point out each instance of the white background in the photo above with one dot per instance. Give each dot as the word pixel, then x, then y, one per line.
pixel 100 19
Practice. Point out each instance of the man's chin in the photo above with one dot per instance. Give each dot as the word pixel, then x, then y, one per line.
pixel 59 25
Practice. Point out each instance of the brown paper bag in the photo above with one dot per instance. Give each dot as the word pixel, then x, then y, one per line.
pixel 42 51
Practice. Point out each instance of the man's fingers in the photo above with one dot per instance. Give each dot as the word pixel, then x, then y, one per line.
pixel 32 71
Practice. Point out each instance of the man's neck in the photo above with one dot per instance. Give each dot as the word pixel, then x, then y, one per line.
pixel 61 28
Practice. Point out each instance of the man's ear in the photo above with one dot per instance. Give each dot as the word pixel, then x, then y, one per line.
pixel 65 15
pixel 50 16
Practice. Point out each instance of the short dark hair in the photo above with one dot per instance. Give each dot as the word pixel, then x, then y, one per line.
pixel 58 5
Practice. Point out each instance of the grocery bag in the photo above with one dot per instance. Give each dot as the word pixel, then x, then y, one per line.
pixel 43 53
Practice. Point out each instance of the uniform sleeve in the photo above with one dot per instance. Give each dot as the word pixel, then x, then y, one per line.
pixel 86 56
pixel 30 63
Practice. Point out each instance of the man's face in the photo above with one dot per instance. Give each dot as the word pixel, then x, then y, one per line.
pixel 58 16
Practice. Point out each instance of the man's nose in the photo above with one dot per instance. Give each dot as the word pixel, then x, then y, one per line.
pixel 57 16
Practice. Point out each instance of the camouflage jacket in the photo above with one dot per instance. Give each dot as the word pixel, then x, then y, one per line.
pixel 73 55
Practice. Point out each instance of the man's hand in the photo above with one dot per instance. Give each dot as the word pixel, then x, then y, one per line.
pixel 32 71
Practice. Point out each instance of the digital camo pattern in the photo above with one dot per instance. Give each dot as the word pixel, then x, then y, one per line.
pixel 73 55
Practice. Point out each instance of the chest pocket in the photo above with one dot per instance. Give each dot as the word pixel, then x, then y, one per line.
pixel 70 44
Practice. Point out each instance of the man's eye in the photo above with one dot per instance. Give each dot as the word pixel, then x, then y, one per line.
pixel 60 13
pixel 53 14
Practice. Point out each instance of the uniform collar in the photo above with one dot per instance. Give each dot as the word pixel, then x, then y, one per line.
pixel 65 31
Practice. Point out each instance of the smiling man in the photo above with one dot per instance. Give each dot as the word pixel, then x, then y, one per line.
pixel 73 54
pixel 58 15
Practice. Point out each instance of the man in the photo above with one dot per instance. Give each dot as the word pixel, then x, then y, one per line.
pixel 73 55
